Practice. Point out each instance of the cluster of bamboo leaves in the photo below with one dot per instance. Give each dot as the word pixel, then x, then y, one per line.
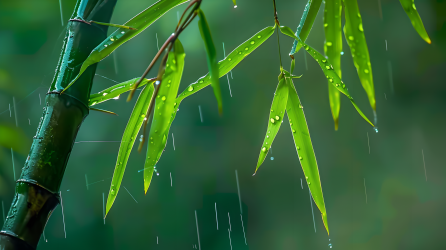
pixel 285 100
pixel 354 35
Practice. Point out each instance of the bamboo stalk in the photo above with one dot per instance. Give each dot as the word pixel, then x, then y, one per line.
pixel 36 192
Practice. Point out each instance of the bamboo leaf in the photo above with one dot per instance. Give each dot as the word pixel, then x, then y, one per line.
pixel 114 25
pixel 104 111
pixel 415 19
pixel 115 91
pixel 304 148
pixel 139 22
pixel 354 34
pixel 306 23
pixel 333 49
pixel 128 139
pixel 275 119
pixel 227 64
pixel 165 110
pixel 327 68
pixel 211 54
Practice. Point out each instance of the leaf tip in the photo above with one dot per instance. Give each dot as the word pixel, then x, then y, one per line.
pixel 336 123
pixel 324 219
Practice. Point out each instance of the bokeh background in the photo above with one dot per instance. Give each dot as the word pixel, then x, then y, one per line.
pixel 382 190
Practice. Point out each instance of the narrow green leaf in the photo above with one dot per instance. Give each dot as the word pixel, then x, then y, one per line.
pixel 140 22
pixel 114 25
pixel 235 3
pixel 327 68
pixel 276 114
pixel 115 91
pixel 304 148
pixel 211 54
pixel 293 63
pixel 227 64
pixel 411 11
pixel 128 139
pixel 104 111
pixel 333 49
pixel 165 110
pixel 306 23
pixel 354 34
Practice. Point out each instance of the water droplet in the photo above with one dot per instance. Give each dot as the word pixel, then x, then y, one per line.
pixel 325 25
pixel 309 183
pixel 246 48
pixel 298 148
pixel 163 98
pixel 327 67
pixel 351 38
pixel 413 6
pixel 252 42
pixel 235 6
pixel 272 158
pixel 306 177
pixel 123 32
pixel 307 48
pixel 376 129
pixel 360 27
pixel 294 131
pixel 143 115
pixel 259 36
pixel 263 149
pixel 331 80
pixel 300 106
pixel 342 53
pixel 324 61
pixel 300 158
pixel 272 120
pixel 190 88
pixel 201 81
pixel 112 39
pixel 168 85
pixel 229 59
pixel 240 53
pixel 277 117
pixel 366 71
pixel 329 44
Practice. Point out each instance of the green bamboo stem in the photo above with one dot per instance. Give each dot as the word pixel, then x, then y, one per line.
pixel 36 192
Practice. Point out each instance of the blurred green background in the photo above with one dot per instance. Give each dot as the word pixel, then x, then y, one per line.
pixel 400 209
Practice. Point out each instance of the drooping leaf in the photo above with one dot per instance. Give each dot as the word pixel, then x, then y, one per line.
pixel 306 23
pixel 128 139
pixel 415 19
pixel 115 91
pixel 354 34
pixel 276 114
pixel 165 110
pixel 211 54
pixel 304 148
pixel 140 22
pixel 327 68
pixel 333 49
pixel 227 64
